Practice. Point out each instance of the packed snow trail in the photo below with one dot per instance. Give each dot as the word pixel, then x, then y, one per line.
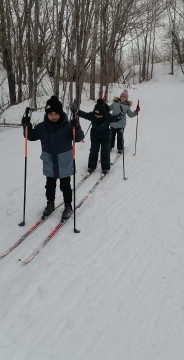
pixel 115 291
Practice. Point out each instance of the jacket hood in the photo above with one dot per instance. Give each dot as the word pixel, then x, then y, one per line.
pixel 117 99
pixel 59 123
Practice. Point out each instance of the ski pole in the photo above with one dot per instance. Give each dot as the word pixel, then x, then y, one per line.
pixel 104 98
pixel 87 130
pixel 25 169
pixel 136 132
pixel 124 177
pixel 85 134
pixel 74 187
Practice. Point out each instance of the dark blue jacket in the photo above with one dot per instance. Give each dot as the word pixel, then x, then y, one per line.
pixel 100 127
pixel 56 142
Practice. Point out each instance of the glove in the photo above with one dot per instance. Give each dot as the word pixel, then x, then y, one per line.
pixel 75 122
pixel 120 115
pixel 137 109
pixel 26 120
pixel 74 108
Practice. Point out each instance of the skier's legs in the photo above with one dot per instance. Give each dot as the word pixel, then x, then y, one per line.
pixel 94 150
pixel 105 153
pixel 113 136
pixel 50 189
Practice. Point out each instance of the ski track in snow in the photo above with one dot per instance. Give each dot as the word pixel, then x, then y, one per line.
pixel 115 291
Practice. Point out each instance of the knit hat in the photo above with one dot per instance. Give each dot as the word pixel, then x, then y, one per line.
pixel 124 94
pixel 101 101
pixel 100 109
pixel 54 105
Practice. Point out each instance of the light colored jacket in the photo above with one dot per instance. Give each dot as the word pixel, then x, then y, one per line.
pixel 116 107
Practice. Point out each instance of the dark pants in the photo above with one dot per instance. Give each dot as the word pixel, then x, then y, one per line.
pixel 119 133
pixel 96 142
pixel 65 187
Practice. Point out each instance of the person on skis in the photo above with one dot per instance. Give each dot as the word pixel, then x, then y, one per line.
pixel 55 134
pixel 119 104
pixel 100 133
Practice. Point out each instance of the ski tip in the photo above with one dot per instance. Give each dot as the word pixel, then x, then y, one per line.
pixel 30 258
pixel 4 254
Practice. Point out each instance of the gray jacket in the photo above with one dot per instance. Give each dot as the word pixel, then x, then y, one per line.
pixel 115 107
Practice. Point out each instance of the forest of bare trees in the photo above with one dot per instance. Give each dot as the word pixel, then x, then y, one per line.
pixel 72 41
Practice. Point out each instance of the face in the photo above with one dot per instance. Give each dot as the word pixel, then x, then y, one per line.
pixel 53 117
pixel 98 116
pixel 123 99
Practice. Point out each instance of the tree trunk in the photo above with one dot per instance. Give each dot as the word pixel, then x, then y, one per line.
pixel 93 52
pixel 5 31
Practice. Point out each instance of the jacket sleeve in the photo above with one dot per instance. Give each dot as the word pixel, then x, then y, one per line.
pixel 33 134
pixel 79 134
pixel 131 113
pixel 85 115
pixel 112 119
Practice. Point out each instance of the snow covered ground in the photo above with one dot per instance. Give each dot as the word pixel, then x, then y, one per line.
pixel 116 290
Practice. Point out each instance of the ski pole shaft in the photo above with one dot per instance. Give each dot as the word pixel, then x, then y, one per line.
pixel 74 199
pixel 74 186
pixel 87 130
pixel 25 165
pixel 124 177
pixel 136 132
pixel 86 134
pixel 25 171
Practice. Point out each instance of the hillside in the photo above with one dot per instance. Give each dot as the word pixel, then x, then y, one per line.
pixel 115 291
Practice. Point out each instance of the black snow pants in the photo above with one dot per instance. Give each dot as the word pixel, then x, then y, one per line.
pixel 65 187
pixel 119 138
pixel 99 140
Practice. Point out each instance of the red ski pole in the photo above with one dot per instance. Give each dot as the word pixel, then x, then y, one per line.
pixel 25 170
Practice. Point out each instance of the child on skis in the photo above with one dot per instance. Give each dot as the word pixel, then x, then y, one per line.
pixel 118 127
pixel 55 134
pixel 100 134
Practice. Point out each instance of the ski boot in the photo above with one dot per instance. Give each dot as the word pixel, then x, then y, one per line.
pixel 49 208
pixel 67 212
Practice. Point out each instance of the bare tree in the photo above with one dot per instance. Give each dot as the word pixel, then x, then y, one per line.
pixel 58 40
pixel 83 26
pixel 6 47
pixel 67 38
pixel 176 22
pixel 94 49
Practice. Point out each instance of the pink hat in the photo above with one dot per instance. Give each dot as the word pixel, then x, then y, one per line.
pixel 124 94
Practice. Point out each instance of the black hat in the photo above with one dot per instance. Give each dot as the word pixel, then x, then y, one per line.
pixel 54 105
pixel 101 101
pixel 99 109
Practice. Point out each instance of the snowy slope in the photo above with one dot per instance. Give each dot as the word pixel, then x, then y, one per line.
pixel 115 291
